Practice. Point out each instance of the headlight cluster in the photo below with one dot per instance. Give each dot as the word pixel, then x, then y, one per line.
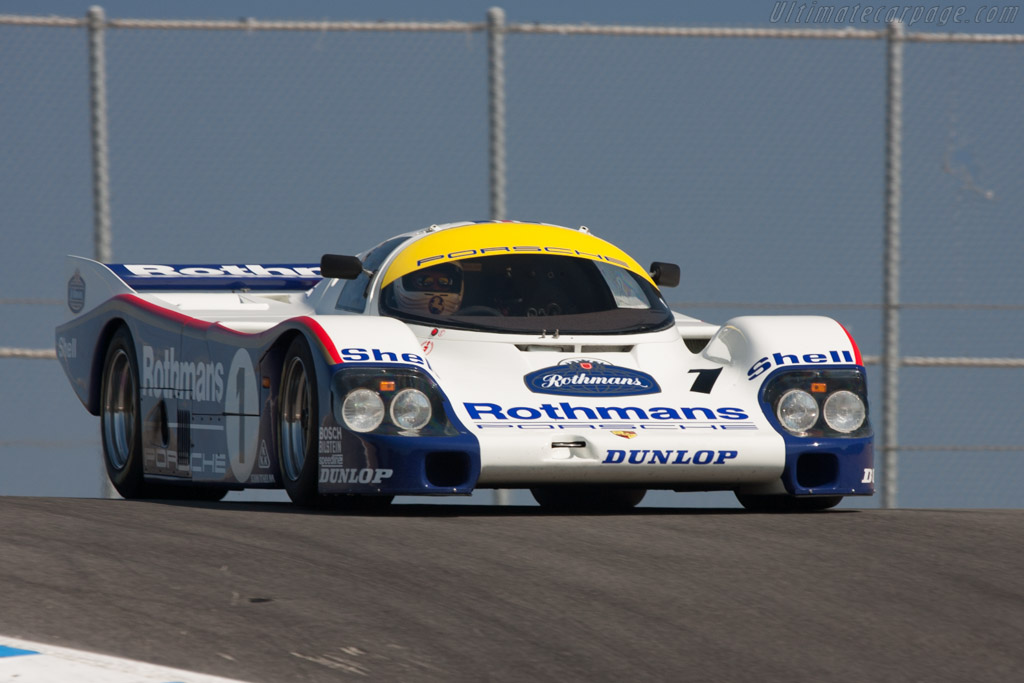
pixel 389 401
pixel 820 403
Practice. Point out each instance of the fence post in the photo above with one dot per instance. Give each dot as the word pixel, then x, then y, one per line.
pixel 98 115
pixel 496 122
pixel 891 285
pixel 496 108
pixel 100 174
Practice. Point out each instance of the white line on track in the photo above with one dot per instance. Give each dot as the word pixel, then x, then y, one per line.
pixel 28 662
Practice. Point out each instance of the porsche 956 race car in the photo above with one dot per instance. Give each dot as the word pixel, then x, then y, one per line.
pixel 458 357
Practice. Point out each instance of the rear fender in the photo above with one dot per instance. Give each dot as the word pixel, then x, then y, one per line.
pixel 81 342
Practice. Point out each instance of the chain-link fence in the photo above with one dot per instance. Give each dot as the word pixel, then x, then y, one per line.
pixel 757 159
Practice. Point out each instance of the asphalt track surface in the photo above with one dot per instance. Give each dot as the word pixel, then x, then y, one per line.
pixel 268 592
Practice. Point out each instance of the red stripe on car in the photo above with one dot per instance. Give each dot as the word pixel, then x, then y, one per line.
pixel 856 349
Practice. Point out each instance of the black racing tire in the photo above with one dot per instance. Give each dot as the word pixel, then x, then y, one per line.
pixel 120 416
pixel 298 419
pixel 786 503
pixel 568 498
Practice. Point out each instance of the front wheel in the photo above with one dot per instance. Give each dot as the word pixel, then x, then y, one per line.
pixel 587 498
pixel 299 408
pixel 784 503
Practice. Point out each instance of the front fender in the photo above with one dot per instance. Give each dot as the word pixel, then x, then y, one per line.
pixel 758 345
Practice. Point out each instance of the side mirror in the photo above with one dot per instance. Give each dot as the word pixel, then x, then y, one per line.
pixel 339 266
pixel 665 274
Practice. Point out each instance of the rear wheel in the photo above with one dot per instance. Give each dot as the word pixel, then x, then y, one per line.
pixel 121 429
pixel 587 498
pixel 299 411
pixel 120 422
pixel 783 503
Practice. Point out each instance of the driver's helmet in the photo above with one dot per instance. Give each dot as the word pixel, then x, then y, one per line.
pixel 434 290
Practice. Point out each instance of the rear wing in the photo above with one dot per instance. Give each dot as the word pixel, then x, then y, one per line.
pixel 231 277
pixel 90 283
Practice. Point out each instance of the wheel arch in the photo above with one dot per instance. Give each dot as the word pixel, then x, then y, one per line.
pixel 317 341
pixel 272 360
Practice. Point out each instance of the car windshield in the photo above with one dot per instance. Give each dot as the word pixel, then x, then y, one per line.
pixel 527 293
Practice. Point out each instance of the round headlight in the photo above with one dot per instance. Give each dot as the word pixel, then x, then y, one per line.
pixel 410 409
pixel 797 411
pixel 844 412
pixel 362 410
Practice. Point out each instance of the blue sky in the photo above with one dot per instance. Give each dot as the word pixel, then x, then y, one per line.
pixel 637 12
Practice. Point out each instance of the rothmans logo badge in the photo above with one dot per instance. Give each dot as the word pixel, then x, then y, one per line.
pixel 590 378
pixel 624 433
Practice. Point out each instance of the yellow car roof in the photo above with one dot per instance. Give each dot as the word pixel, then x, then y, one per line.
pixel 506 237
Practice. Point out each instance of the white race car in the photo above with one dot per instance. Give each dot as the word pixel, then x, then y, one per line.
pixel 458 357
